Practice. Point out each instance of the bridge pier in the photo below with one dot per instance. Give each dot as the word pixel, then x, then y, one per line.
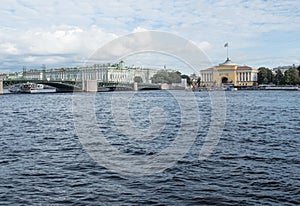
pixel 1 85
pixel 165 86
pixel 135 86
pixel 90 86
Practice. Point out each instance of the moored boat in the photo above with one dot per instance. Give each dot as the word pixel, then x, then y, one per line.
pixel 31 88
pixel 228 87
pixel 274 87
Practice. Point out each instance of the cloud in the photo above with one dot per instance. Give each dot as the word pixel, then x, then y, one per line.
pixel 204 45
pixel 56 45
pixel 65 31
pixel 139 29
pixel 9 48
pixel 64 39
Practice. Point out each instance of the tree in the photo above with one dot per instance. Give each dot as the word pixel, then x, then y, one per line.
pixel 279 78
pixel 264 76
pixel 164 76
pixel 291 76
pixel 199 81
pixel 138 79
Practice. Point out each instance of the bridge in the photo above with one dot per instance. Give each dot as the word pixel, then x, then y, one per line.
pixel 88 85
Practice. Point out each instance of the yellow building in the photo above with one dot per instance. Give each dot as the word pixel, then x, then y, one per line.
pixel 229 73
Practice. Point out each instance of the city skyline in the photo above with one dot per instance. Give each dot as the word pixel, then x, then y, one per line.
pixel 66 33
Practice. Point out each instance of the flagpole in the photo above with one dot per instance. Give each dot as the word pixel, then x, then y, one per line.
pixel 227 51
pixel 226 45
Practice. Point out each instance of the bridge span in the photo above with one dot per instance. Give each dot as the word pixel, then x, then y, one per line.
pixel 88 85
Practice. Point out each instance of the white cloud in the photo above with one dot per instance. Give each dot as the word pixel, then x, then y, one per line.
pixel 29 59
pixel 139 29
pixel 64 40
pixel 9 48
pixel 204 45
pixel 63 31
pixel 54 45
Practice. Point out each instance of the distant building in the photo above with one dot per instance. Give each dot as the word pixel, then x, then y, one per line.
pixel 229 72
pixel 102 72
pixel 282 69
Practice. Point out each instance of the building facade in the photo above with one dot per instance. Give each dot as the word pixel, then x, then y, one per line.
pixel 229 72
pixel 117 73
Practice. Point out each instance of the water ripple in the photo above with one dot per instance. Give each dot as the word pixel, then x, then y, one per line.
pixel 256 162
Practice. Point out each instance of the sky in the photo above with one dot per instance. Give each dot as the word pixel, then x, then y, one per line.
pixel 66 33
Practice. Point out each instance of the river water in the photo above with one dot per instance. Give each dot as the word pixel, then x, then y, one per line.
pixel 256 161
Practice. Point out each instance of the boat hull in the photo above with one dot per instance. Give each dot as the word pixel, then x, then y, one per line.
pixel 31 88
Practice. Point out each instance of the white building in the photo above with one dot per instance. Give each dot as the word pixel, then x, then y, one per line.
pixel 102 72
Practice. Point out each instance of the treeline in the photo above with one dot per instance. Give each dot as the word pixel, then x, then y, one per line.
pixel 169 77
pixel 290 77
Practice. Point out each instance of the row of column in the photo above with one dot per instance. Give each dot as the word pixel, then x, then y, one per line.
pixel 207 77
pixel 244 77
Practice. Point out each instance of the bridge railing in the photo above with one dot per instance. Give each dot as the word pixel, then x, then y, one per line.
pixel 69 85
